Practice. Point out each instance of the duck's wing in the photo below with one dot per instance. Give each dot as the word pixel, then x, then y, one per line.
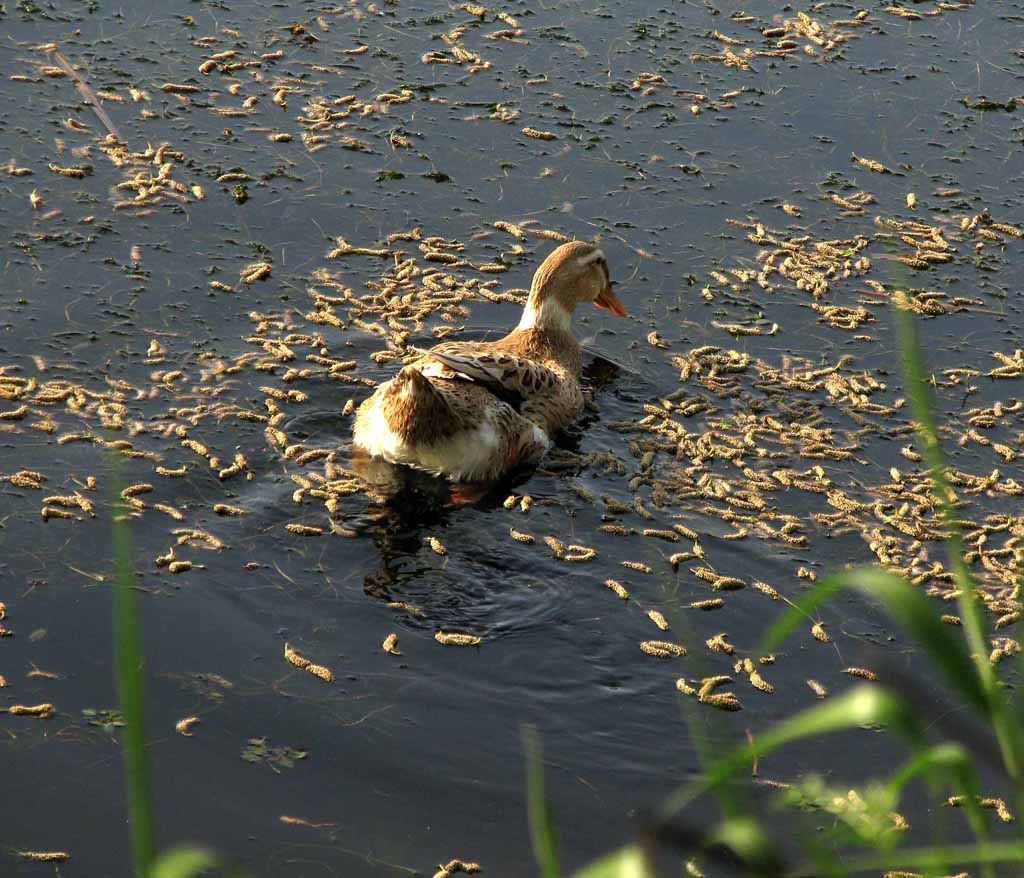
pixel 502 373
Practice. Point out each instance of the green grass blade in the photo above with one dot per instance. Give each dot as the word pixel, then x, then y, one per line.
pixel 627 862
pixel 186 861
pixel 913 612
pixel 542 827
pixel 1008 731
pixel 798 611
pixel 955 763
pixel 131 695
pixel 918 617
pixel 949 758
pixel 933 860
pixel 863 705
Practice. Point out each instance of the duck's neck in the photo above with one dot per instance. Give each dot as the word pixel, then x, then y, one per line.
pixel 545 312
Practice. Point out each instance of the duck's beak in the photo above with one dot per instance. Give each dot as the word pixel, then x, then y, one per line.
pixel 610 302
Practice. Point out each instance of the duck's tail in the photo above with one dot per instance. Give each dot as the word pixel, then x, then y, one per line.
pixel 415 410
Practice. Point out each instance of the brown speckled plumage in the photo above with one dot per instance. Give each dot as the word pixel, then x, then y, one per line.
pixel 473 410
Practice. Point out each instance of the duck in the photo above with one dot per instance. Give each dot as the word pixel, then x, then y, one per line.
pixel 474 411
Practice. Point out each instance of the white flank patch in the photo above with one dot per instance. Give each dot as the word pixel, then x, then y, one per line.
pixel 466 455
pixel 590 257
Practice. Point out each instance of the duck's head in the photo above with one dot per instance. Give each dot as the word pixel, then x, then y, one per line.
pixel 573 273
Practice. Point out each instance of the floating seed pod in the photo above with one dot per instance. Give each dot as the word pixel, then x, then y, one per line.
pixel 999 806
pixel 453 639
pixel 709 684
pixel 727 583
pixel 758 682
pixel 638 566
pixel 14 414
pixel 718 643
pixel 684 687
pixel 390 644
pixel 436 546
pixel 179 566
pixel 455 866
pixel 863 673
pixel 765 588
pixel 555 544
pixel 184 726
pixel 76 173
pixel 578 554
pixel 195 446
pixel 44 856
pixel 305 530
pixel 175 88
pixel 662 648
pixel 817 688
pixel 38 710
pixel 618 588
pixel 225 509
pixel 405 607
pixel 520 537
pixel 818 633
pixel 723 701
pixel 670 536
pixel 709 604
pixel 256 272
pixel 658 619
pixel 539 135
pixel 293 658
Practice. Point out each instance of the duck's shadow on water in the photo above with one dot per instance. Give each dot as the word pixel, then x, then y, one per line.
pixel 486 584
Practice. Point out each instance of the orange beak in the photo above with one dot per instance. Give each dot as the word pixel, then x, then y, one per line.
pixel 610 302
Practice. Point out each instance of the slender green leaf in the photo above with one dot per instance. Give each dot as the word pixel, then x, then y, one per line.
pixel 931 859
pixel 131 695
pixel 861 706
pixel 186 861
pixel 627 862
pixel 542 827
pixel 949 758
pixel 1008 732
pixel 744 837
pixel 918 617
pixel 798 611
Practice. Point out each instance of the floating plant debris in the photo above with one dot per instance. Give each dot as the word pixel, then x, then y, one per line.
pixel 210 268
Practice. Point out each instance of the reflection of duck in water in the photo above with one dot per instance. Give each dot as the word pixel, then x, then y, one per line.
pixel 472 411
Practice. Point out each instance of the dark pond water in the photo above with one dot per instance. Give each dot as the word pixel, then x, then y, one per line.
pixel 701 153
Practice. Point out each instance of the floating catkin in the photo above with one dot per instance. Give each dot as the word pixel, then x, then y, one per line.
pixel 305 664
